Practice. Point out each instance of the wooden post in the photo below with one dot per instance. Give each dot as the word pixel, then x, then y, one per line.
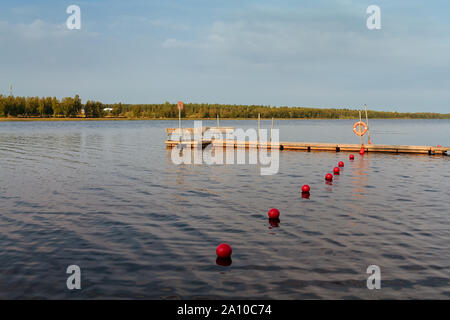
pixel 271 131
pixel 259 125
pixel 360 128
pixel 180 107
pixel 179 122
pixel 368 128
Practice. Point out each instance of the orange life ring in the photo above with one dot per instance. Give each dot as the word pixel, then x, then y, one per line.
pixel 360 124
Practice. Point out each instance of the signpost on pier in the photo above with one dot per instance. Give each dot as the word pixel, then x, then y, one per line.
pixel 180 107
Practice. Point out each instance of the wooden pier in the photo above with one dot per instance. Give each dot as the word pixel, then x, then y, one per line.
pixel 193 137
pixel 314 146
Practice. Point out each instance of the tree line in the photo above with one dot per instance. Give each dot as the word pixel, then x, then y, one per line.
pixel 46 107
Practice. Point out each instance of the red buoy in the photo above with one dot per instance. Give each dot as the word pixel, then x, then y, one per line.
pixel 306 189
pixel 223 250
pixel 273 213
pixel 329 177
pixel 341 164
pixel 362 151
pixel 352 157
pixel 336 170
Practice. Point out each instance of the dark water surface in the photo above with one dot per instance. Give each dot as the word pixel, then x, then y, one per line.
pixel 105 196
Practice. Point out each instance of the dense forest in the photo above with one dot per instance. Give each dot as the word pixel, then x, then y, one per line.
pixel 51 107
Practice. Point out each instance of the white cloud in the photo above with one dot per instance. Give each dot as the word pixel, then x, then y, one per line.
pixel 125 21
pixel 39 30
pixel 174 43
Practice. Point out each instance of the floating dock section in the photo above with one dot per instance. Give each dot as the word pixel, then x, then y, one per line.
pixel 314 146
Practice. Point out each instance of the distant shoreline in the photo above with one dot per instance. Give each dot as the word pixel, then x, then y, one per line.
pixel 15 108
pixel 33 119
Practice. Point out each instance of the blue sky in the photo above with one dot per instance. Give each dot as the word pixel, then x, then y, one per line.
pixel 314 53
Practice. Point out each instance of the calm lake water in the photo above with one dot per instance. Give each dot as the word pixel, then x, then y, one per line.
pixel 106 196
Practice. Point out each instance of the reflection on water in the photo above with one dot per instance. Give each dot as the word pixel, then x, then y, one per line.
pixel 361 177
pixel 224 262
pixel 274 222
pixel 105 196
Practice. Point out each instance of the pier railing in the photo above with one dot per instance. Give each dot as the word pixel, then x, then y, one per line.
pixel 189 134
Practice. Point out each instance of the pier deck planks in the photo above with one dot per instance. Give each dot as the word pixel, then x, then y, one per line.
pixel 315 146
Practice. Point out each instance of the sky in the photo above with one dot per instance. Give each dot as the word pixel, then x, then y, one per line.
pixel 316 53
